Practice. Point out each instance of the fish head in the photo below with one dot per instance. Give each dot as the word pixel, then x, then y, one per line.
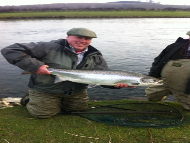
pixel 151 80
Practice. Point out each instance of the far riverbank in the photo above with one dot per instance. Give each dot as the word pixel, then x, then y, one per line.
pixel 95 14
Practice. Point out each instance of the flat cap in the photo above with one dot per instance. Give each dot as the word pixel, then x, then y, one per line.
pixel 81 32
pixel 188 33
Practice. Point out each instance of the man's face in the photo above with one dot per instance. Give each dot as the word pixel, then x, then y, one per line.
pixel 78 42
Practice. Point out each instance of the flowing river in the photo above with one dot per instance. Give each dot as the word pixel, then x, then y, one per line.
pixel 129 44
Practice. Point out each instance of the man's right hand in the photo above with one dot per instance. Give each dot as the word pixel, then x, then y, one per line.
pixel 43 70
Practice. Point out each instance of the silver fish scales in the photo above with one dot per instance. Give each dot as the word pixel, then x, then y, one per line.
pixel 103 77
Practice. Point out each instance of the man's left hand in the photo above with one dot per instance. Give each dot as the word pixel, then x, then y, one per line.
pixel 122 85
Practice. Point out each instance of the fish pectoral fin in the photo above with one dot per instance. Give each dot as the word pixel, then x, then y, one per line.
pixel 92 85
pixel 58 79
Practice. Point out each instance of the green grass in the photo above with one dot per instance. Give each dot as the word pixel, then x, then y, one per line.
pixel 17 126
pixel 95 14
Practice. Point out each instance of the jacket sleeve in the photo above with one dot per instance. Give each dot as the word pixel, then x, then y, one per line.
pixel 100 63
pixel 25 56
pixel 153 70
pixel 160 61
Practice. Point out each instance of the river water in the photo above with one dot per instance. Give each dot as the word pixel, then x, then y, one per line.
pixel 128 44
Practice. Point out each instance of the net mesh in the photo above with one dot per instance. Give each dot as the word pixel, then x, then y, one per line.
pixel 134 114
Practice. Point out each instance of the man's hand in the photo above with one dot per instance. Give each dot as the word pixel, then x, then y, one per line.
pixel 122 85
pixel 43 70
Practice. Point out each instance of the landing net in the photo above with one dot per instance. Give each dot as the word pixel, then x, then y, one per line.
pixel 134 114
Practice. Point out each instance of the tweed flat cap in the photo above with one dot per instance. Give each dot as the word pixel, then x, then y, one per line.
pixel 188 33
pixel 81 32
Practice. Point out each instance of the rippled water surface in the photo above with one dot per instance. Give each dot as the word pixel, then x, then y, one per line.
pixel 126 44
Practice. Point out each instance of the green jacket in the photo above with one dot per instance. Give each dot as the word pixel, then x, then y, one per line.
pixel 55 54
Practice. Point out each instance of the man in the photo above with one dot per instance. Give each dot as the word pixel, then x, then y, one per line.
pixel 47 98
pixel 172 65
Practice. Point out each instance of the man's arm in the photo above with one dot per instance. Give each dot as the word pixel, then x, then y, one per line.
pixel 25 56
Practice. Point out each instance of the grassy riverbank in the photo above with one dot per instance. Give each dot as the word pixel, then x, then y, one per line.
pixel 96 14
pixel 16 125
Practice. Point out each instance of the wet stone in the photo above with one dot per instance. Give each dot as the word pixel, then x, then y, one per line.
pixel 9 102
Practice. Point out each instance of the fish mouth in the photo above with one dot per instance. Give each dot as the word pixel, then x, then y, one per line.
pixel 159 82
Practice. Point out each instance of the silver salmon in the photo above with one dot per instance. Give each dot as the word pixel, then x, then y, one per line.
pixel 103 77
